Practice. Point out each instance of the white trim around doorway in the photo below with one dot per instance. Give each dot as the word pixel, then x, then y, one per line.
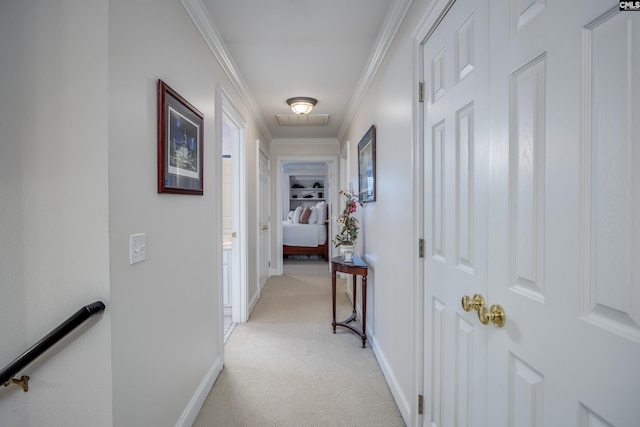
pixel 277 265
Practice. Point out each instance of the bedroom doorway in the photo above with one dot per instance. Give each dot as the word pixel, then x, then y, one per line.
pixel 231 131
pixel 317 172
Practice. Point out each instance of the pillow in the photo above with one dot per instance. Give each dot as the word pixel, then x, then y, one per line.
pixel 304 216
pixel 313 218
pixel 290 216
pixel 322 214
pixel 296 215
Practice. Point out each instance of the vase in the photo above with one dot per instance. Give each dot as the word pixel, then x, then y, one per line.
pixel 346 250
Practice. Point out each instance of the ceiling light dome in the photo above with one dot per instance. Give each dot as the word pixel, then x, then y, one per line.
pixel 302 104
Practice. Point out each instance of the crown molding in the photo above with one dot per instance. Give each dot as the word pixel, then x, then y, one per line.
pixel 200 17
pixel 397 12
pixel 202 20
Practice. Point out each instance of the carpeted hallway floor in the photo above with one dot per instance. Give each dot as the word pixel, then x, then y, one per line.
pixel 285 367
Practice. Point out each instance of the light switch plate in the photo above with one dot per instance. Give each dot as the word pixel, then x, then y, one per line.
pixel 137 248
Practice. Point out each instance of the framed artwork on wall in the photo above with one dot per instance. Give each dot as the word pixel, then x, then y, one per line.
pixel 180 144
pixel 367 166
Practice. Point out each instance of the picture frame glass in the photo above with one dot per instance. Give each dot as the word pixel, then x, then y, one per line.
pixel 180 144
pixel 367 166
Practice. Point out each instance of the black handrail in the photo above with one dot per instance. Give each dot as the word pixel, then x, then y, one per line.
pixel 48 341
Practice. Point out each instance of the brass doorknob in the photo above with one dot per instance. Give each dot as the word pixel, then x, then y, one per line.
pixel 469 303
pixel 265 227
pixel 494 314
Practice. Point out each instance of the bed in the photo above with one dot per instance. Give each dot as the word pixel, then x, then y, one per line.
pixel 300 238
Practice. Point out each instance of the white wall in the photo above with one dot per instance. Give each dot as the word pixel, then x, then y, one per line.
pixel 165 310
pixel 77 131
pixel 54 243
pixel 387 223
pixel 77 177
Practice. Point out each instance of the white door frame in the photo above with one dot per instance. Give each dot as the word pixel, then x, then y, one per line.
pixel 331 198
pixel 226 108
pixel 264 198
pixel 345 171
pixel 432 18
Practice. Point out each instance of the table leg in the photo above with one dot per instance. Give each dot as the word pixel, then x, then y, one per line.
pixel 364 310
pixel 333 297
pixel 354 289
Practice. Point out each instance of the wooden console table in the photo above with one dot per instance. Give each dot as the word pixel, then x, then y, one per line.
pixel 356 268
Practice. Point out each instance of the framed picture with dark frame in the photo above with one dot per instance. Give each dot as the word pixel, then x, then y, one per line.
pixel 180 144
pixel 367 166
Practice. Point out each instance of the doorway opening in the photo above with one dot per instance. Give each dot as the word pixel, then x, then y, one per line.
pixel 303 180
pixel 231 131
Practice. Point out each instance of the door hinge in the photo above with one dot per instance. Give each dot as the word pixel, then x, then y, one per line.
pixel 420 404
pixel 269 264
pixel 421 248
pixel 420 91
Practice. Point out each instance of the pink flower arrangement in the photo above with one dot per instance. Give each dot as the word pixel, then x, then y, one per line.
pixel 348 225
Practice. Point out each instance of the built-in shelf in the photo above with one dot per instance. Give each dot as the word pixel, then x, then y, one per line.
pixel 305 190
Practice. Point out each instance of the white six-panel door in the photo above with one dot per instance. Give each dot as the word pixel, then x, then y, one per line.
pixel 564 212
pixel 455 157
pixel 539 212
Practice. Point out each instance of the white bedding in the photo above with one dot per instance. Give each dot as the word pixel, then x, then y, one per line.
pixel 307 235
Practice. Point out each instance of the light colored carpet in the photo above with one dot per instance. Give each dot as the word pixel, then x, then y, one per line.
pixel 285 367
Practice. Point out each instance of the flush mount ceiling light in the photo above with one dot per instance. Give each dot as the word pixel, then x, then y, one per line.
pixel 302 104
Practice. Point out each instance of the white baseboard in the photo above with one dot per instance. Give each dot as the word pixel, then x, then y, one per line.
pixel 192 410
pixel 252 304
pixel 404 405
